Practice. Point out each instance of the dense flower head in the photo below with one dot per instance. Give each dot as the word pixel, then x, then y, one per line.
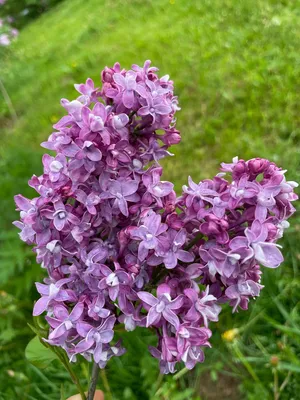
pixel 120 248
pixel 234 226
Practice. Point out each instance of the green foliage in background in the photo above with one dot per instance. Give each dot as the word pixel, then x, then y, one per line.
pixel 24 11
pixel 236 68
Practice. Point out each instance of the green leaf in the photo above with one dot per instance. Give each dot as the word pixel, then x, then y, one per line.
pixel 38 354
pixel 289 367
pixel 287 329
pixel 284 328
pixel 284 312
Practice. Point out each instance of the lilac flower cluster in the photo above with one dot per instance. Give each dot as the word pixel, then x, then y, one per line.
pixel 120 248
pixel 7 31
pixel 235 225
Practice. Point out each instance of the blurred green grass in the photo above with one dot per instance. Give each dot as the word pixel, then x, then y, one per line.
pixel 236 69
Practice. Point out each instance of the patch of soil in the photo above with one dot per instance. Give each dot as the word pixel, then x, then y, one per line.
pixel 225 388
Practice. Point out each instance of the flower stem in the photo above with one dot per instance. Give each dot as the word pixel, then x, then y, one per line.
pixel 276 389
pixel 194 241
pixel 66 363
pixel 93 383
pixel 61 355
pixel 8 101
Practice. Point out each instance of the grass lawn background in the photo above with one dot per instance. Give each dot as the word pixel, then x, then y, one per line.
pixel 236 69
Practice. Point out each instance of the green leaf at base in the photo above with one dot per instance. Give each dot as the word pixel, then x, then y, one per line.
pixel 38 354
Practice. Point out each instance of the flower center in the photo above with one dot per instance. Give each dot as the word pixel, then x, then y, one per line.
pixel 183 332
pixel 234 258
pixel 137 164
pixel 68 324
pixel 53 247
pixel 55 166
pixel 149 236
pixel 115 153
pixel 62 215
pixel 240 192
pixel 97 337
pixel 160 306
pixel 157 190
pixel 53 290
pixel 112 280
pixel 199 306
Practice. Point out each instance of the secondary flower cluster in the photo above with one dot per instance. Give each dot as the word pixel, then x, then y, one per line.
pixel 235 226
pixel 119 246
pixel 7 31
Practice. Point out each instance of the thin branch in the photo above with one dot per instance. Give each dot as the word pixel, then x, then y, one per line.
pixel 285 382
pixel 276 392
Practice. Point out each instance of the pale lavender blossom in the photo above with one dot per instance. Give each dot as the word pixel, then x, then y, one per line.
pixel 170 250
pixel 162 306
pixel 155 106
pixel 122 191
pixel 52 292
pixel 148 234
pixel 62 322
pixel 127 87
pixel 95 337
pixel 202 307
pixel 266 253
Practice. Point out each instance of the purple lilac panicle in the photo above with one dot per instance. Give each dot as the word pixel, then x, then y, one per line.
pixel 106 227
pixel 241 220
